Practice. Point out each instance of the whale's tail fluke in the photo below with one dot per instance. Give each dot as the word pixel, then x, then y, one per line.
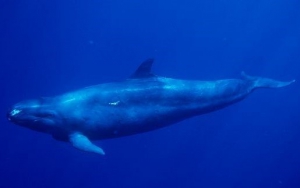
pixel 259 82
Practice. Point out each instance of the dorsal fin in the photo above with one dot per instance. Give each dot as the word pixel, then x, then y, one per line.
pixel 144 70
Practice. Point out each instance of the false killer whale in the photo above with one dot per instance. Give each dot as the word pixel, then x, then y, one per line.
pixel 144 102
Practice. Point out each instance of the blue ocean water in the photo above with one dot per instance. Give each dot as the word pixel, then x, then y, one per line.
pixel 50 47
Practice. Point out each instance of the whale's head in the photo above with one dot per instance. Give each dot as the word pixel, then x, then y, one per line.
pixel 34 114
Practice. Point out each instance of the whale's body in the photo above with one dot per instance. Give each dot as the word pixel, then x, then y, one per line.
pixel 142 103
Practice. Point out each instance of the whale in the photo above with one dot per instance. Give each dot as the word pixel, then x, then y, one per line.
pixel 141 103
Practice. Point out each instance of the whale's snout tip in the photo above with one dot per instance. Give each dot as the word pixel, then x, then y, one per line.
pixel 8 115
pixel 12 113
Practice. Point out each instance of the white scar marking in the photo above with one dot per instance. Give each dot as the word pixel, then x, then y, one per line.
pixel 14 112
pixel 114 103
pixel 69 100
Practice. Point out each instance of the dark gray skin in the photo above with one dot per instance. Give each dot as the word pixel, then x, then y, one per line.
pixel 142 103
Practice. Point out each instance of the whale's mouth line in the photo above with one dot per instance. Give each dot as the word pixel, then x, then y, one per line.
pixel 12 117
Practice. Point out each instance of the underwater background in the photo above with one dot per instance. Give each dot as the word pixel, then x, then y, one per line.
pixel 51 47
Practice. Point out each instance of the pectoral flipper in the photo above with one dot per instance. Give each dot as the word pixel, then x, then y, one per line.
pixel 82 142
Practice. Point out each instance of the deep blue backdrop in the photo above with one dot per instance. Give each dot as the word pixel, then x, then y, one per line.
pixel 50 47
